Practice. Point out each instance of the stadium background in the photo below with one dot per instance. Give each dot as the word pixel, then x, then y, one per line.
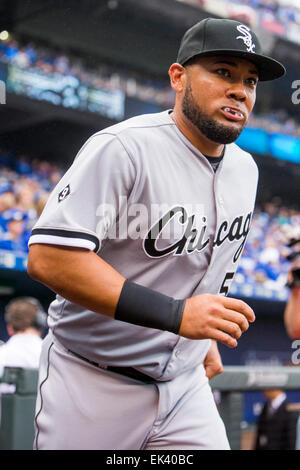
pixel 72 68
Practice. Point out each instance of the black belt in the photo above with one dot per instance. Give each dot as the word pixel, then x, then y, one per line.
pixel 127 371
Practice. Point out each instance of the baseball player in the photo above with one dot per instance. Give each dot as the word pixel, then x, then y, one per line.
pixel 26 322
pixel 292 308
pixel 140 240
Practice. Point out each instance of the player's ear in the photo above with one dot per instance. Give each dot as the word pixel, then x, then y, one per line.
pixel 10 330
pixel 178 77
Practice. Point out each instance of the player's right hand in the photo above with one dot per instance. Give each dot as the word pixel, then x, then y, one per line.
pixel 208 316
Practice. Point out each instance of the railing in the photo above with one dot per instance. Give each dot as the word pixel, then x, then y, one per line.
pixel 17 406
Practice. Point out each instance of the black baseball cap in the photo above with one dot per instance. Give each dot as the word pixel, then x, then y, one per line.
pixel 228 37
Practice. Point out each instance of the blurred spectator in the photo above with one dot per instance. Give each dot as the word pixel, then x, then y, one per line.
pixel 11 50
pixel 25 198
pixel 276 426
pixel 7 201
pixel 31 53
pixel 41 202
pixel 25 323
pixel 14 238
pixel 61 64
pixel 21 59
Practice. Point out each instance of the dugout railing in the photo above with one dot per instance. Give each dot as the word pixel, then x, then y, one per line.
pixel 18 401
pixel 236 380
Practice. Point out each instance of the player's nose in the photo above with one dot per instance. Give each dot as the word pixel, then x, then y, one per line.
pixel 237 91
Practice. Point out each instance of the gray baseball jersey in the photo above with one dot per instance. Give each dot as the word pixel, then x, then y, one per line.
pixel 143 198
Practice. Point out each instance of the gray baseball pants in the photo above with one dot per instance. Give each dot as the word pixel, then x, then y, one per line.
pixel 82 407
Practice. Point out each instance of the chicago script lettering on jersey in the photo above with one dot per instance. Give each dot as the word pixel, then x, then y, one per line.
pixel 237 230
pixel 193 238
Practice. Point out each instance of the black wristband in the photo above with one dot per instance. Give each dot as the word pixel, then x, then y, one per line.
pixel 145 307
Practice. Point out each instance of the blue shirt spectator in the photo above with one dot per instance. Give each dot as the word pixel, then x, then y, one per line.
pixel 13 237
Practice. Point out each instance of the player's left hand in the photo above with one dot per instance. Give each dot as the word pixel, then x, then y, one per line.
pixel 213 363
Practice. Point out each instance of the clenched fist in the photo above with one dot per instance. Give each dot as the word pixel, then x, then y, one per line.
pixel 208 316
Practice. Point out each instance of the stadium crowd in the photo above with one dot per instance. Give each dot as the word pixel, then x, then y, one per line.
pixel 275 122
pixel 264 258
pixel 96 75
pixel 25 186
pixel 107 77
pixel 283 13
pixel 276 12
pixel 24 189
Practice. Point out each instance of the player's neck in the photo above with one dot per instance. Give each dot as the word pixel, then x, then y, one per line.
pixel 28 331
pixel 202 143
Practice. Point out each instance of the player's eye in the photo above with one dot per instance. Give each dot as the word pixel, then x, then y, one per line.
pixel 252 81
pixel 224 72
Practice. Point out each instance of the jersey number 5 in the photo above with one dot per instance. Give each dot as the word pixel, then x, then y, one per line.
pixel 224 288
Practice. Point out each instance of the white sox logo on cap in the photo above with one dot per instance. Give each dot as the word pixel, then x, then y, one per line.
pixel 247 37
pixel 213 35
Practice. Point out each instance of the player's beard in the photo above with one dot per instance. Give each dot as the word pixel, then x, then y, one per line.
pixel 209 127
